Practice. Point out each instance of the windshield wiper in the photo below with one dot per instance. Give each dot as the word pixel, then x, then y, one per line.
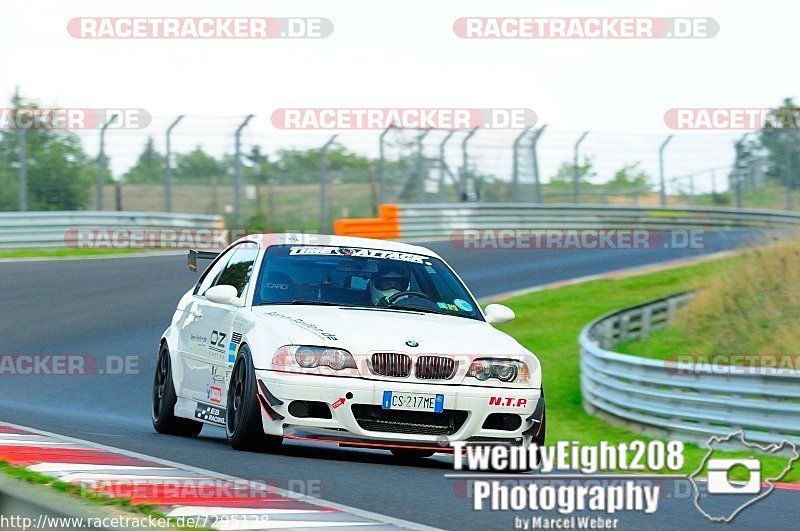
pixel 303 302
pixel 317 303
pixel 410 309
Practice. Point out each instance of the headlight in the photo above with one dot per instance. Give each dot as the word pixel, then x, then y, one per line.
pixel 507 371
pixel 308 357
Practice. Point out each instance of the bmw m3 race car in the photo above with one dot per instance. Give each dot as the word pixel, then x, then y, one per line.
pixel 345 340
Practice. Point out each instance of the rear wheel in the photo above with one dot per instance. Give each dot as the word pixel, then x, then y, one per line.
pixel 243 413
pixel 164 399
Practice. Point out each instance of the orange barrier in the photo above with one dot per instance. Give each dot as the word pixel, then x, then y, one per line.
pixel 385 227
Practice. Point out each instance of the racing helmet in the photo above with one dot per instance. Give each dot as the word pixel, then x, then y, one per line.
pixel 390 279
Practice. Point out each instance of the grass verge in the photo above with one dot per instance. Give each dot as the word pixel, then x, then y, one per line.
pixel 548 323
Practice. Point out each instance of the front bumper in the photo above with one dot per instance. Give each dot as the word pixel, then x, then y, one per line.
pixel 467 408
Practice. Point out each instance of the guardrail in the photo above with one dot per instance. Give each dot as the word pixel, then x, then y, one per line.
pixel 676 400
pixel 436 221
pixel 30 230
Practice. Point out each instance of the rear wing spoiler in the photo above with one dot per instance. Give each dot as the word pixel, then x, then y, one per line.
pixel 195 255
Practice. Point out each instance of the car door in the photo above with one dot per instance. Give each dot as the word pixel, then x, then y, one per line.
pixel 193 338
pixel 214 323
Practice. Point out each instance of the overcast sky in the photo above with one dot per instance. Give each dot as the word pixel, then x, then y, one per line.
pixel 405 54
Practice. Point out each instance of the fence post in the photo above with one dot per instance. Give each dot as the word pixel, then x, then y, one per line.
pixel 420 181
pixel 465 163
pixel 237 174
pixel 787 169
pixel 736 173
pixel 101 162
pixel 537 183
pixel 168 176
pixel 324 189
pixel 22 157
pixel 576 193
pixel 515 166
pixel 443 167
pixel 381 163
pixel 661 170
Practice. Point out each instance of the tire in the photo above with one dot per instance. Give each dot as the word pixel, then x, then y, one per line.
pixel 243 413
pixel 411 454
pixel 164 399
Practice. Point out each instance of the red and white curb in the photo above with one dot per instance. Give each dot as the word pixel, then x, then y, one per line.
pixel 178 490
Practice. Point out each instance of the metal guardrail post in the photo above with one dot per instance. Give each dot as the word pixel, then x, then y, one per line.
pixel 787 169
pixel 576 172
pixel 324 188
pixel 382 164
pixel 443 167
pixel 465 164
pixel 420 161
pixel 237 173
pixel 537 183
pixel 515 164
pixel 663 191
pixel 168 165
pixel 101 161
pixel 22 157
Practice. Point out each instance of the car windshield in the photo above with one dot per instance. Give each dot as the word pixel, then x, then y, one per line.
pixel 368 278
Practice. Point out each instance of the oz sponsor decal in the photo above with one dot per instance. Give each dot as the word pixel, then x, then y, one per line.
pixel 359 253
pixel 213 414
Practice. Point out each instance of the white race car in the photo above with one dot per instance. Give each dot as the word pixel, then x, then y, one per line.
pixel 346 340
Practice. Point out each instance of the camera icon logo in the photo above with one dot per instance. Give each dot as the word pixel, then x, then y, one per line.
pixel 720 472
pixel 719 480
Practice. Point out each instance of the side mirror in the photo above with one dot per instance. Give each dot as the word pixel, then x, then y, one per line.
pixel 222 294
pixel 498 314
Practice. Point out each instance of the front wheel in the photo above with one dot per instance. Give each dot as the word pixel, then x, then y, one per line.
pixel 164 399
pixel 243 413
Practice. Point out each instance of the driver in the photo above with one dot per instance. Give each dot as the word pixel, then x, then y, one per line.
pixel 389 280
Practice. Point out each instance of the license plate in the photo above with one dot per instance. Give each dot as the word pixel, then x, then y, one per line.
pixel 413 401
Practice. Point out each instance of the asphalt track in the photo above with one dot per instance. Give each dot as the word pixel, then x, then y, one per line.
pixel 119 307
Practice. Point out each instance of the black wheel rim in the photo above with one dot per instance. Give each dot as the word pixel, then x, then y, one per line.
pixel 237 400
pixel 160 383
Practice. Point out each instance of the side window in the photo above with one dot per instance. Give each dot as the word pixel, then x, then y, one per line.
pixel 211 275
pixel 239 269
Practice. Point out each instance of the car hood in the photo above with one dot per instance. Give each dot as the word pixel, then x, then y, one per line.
pixel 364 330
